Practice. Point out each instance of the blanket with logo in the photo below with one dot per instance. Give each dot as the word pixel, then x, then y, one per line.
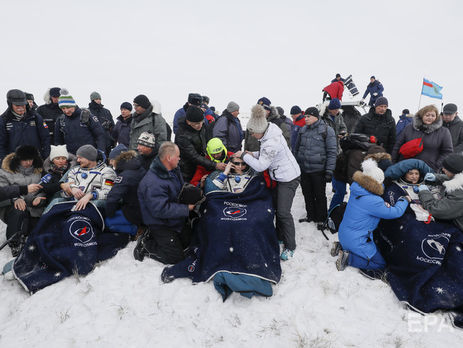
pixel 424 261
pixel 63 243
pixel 235 235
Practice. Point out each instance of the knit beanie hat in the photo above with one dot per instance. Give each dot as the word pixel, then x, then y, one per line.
pixel 295 110
pixel 58 151
pixel 126 105
pixel 370 168
pixel 95 95
pixel 232 107
pixel 142 100
pixel 312 111
pixel 147 139
pixel 334 104
pixel 405 112
pixel 453 163
pixel 66 100
pixel 29 96
pixel 258 121
pixel 117 151
pixel 265 102
pixel 88 152
pixel 194 114
pixel 381 101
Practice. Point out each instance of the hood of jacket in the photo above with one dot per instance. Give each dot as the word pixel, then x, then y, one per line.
pixel 11 165
pixel 456 183
pixel 127 160
pixel 426 128
pixel 366 185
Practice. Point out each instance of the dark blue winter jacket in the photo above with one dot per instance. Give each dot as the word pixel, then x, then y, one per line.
pixel 74 132
pixel 124 195
pixel 316 148
pixel 158 195
pixel 295 128
pixel 181 113
pixel 228 129
pixel 402 123
pixel 50 112
pixel 106 120
pixel 372 88
pixel 121 131
pixel 30 130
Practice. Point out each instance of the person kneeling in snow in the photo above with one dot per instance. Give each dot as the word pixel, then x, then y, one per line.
pixel 450 205
pixel 363 213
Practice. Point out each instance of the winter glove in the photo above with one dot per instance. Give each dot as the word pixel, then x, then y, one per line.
pixel 362 102
pixel 430 177
pixel 328 177
pixel 423 188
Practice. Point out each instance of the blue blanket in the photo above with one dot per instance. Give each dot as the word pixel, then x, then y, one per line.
pixel 236 234
pixel 65 242
pixel 424 261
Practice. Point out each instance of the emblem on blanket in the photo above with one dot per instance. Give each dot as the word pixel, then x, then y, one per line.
pixel 234 211
pixel 81 229
pixel 433 247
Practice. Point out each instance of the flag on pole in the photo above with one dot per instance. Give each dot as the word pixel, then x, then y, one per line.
pixel 431 89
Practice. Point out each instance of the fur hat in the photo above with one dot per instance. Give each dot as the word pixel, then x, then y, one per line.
pixel 194 114
pixel 370 168
pixel 95 95
pixel 66 100
pixel 147 139
pixel 26 152
pixel 88 152
pixel 16 97
pixel 58 151
pixel 54 92
pixel 232 107
pixel 142 100
pixel 453 163
pixel 195 99
pixel 205 99
pixel 258 121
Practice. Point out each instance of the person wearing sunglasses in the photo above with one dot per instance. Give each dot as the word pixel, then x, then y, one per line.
pixel 235 178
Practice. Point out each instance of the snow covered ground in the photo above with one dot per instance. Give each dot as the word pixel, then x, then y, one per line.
pixel 123 303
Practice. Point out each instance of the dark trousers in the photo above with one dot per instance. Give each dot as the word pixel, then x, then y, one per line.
pixel 313 188
pixel 17 225
pixel 165 245
pixel 283 196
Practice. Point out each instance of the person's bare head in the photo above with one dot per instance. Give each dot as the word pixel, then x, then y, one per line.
pixel 169 155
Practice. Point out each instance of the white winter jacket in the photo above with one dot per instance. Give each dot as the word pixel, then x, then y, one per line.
pixel 275 156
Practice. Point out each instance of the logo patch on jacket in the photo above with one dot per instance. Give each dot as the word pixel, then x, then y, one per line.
pixel 82 230
pixel 109 182
pixel 118 180
pixel 45 125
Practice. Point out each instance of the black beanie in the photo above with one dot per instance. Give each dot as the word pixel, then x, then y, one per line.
pixel 142 100
pixel 453 163
pixel 194 114
pixel 312 111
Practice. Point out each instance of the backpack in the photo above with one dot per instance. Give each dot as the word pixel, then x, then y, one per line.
pixel 411 148
pixel 335 216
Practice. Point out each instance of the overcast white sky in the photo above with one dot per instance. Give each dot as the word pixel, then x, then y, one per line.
pixel 229 50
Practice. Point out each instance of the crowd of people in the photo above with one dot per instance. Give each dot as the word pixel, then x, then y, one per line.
pixel 136 176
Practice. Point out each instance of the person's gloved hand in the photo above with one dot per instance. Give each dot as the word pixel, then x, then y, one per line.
pixel 362 102
pixel 328 177
pixel 429 177
pixel 423 188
